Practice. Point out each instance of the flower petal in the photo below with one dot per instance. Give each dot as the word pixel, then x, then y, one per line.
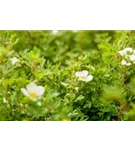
pixel 82 78
pixel 4 100
pixel 88 78
pixel 128 64
pixel 133 51
pixel 40 90
pixel 123 62
pixel 14 60
pixel 33 99
pixel 25 92
pixel 122 52
pixel 85 73
pixel 128 49
pixel 78 74
pixel 32 87
pixel 132 57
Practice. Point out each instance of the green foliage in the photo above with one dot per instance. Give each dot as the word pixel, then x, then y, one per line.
pixel 51 60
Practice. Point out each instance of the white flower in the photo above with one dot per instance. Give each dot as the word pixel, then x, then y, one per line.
pixel 14 60
pixel 33 91
pixel 83 76
pixel 125 63
pixel 132 57
pixel 55 31
pixel 122 52
pixel 125 51
pixel 133 51
pixel 4 100
pixel 128 49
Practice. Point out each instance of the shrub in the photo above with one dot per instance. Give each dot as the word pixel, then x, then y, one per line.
pixel 67 75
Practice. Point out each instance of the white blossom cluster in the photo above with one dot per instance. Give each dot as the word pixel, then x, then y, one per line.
pixel 128 55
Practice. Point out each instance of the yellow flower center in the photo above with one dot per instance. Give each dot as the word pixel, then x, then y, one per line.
pixel 82 77
pixel 33 94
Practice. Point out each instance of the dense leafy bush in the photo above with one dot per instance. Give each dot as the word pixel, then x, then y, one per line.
pixel 67 75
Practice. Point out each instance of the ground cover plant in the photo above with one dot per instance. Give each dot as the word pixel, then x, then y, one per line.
pixel 67 75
